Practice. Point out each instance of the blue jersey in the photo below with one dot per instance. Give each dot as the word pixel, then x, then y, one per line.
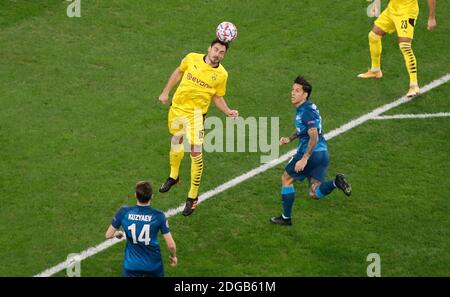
pixel 307 116
pixel 141 225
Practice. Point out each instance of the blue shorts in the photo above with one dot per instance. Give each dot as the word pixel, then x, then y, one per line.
pixel 137 273
pixel 315 168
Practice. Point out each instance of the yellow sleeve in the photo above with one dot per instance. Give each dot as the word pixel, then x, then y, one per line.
pixel 184 63
pixel 221 89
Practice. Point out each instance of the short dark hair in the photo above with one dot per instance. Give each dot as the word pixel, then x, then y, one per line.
pixel 144 191
pixel 306 86
pixel 226 44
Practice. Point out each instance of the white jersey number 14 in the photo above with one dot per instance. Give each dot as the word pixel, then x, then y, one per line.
pixel 144 236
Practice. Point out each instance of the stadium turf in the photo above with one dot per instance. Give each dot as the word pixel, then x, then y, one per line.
pixel 80 123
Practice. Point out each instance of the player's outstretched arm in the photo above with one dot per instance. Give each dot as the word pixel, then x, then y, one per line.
pixel 219 101
pixel 171 246
pixel 173 80
pixel 431 15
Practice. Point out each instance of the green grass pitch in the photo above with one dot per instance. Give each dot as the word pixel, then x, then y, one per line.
pixel 80 123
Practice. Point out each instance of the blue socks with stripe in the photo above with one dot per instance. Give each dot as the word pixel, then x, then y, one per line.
pixel 325 189
pixel 287 198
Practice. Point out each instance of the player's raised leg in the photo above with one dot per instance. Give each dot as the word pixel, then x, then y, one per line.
pixel 196 176
pixel 195 136
pixel 375 47
pixel 319 190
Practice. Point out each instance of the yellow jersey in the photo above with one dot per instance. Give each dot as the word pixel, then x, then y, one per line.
pixel 199 84
pixel 404 7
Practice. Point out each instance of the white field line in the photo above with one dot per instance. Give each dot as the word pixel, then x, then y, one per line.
pixel 413 116
pixel 237 180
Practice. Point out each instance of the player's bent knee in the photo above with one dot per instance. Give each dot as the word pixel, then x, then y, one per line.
pixel 286 179
pixel 377 31
pixel 374 37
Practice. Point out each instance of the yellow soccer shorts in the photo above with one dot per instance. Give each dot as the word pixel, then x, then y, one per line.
pixel 403 24
pixel 182 123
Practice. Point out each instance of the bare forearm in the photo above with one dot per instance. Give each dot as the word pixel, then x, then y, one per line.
pixel 432 9
pixel 311 146
pixel 293 135
pixel 173 80
pixel 221 105
pixel 171 246
pixel 172 251
pixel 110 232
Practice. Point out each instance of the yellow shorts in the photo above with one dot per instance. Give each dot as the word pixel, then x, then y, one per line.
pixel 403 24
pixel 186 124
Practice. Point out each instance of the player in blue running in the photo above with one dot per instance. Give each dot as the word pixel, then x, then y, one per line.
pixel 142 224
pixel 311 160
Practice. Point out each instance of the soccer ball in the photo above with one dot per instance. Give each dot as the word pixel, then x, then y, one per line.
pixel 226 32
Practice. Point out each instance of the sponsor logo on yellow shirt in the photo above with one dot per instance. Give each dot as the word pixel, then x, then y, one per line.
pixel 198 81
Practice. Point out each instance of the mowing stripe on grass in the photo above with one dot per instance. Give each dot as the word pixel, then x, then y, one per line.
pixel 237 180
pixel 413 116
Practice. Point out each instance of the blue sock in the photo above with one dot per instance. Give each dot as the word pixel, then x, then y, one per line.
pixel 325 189
pixel 287 197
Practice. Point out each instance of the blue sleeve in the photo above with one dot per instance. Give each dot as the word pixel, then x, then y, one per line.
pixel 117 220
pixel 164 224
pixel 310 120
